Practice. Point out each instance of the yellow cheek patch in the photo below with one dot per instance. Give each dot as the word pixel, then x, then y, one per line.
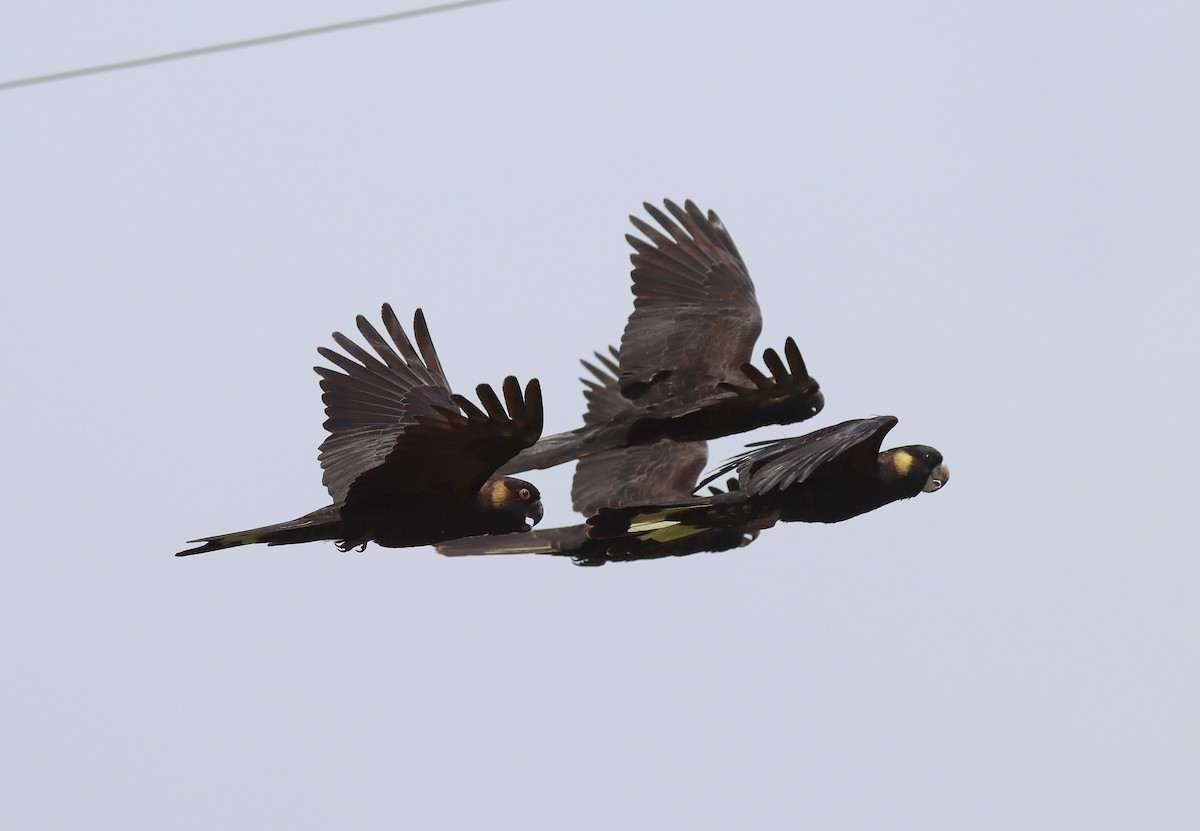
pixel 498 493
pixel 903 461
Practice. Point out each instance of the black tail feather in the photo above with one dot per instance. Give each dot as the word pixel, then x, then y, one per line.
pixel 323 524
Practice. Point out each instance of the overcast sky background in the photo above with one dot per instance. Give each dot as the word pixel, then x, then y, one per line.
pixel 981 218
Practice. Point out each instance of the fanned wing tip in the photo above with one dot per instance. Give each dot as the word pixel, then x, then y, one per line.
pixel 662 219
pixel 694 220
pixel 609 364
pixel 592 383
pixel 523 410
pixel 680 214
pixel 639 245
pixel 379 343
pixel 646 228
pixel 366 328
pixel 336 357
pixel 345 343
pixel 394 366
pixel 399 336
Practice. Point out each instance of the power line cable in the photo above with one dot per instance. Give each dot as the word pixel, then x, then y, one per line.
pixel 237 44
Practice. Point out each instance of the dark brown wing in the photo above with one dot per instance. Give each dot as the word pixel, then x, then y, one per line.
pixel 778 464
pixel 695 316
pixel 455 451
pixel 370 403
pixel 396 428
pixel 788 395
pixel 663 471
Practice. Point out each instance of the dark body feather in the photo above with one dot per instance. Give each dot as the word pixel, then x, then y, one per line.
pixel 683 366
pixel 407 461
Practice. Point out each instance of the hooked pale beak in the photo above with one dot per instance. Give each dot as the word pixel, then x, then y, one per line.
pixel 939 476
pixel 534 513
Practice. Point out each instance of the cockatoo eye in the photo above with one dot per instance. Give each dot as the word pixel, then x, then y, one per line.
pixel 524 494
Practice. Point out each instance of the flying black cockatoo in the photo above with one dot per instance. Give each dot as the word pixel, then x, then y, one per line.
pixel 408 462
pixel 829 475
pixel 683 365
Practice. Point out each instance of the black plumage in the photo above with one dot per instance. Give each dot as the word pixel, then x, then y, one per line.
pixel 408 462
pixel 661 471
pixel 829 475
pixel 683 366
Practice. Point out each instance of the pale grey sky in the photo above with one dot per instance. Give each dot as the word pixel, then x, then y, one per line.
pixel 979 218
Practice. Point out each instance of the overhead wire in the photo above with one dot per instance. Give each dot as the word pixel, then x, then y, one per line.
pixel 183 54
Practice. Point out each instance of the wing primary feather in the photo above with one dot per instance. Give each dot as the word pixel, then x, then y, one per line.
pixel 379 344
pixel 775 364
pixel 658 240
pixel 661 218
pixel 677 256
pixel 400 338
pixel 367 362
pixel 592 368
pixel 355 351
pixel 515 401
pixel 610 363
pixel 795 360
pixel 723 237
pixel 358 377
pixel 339 359
pixel 491 403
pixel 689 234
pixel 425 344
pixel 451 416
pixel 603 377
pixel 756 376
pixel 692 220
pixel 468 407
pixel 362 385
pixel 533 406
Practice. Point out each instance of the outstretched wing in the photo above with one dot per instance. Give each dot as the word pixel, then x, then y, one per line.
pixel 374 398
pixel 778 464
pixel 662 471
pixel 683 370
pixel 396 428
pixel 695 316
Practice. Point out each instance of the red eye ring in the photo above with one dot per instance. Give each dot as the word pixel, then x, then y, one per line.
pixel 524 494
